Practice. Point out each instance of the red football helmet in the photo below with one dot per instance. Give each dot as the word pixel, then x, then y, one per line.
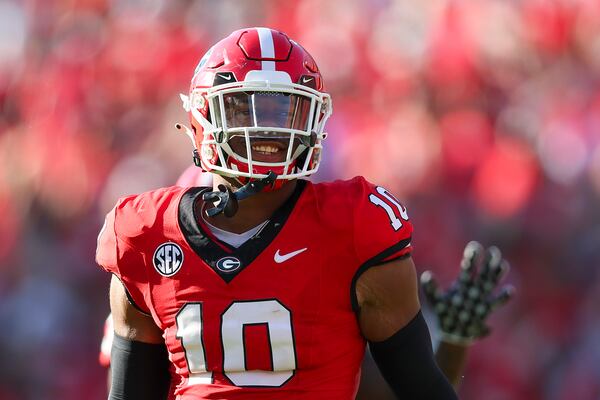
pixel 256 105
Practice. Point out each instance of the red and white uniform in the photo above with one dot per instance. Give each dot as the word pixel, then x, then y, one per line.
pixel 272 319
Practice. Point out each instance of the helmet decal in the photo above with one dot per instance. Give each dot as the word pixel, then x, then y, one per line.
pixel 203 61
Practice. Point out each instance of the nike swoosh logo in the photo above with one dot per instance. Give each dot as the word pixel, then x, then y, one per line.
pixel 226 77
pixel 306 79
pixel 279 258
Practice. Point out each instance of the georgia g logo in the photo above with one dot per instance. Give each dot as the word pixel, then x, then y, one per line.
pixel 168 259
pixel 228 264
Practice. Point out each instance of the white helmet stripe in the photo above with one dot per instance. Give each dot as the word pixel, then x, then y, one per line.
pixel 267 48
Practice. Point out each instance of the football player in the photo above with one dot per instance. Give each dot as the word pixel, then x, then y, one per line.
pixel 265 286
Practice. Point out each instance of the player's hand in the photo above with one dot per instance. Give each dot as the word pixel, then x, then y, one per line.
pixel 462 310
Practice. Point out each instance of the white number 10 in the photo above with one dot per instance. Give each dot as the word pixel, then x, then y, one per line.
pixel 385 202
pixel 281 340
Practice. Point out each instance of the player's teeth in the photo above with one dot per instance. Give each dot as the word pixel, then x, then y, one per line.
pixel 265 149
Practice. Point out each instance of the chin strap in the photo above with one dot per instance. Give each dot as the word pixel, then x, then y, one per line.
pixel 228 200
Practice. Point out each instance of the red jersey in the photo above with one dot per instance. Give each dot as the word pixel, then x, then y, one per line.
pixel 273 318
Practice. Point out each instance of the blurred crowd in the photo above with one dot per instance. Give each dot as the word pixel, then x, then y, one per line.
pixel 483 116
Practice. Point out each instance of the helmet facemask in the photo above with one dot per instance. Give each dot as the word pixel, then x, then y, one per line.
pixel 254 127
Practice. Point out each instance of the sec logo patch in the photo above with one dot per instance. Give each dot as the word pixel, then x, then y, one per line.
pixel 168 259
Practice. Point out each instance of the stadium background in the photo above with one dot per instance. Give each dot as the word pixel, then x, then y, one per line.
pixel 484 116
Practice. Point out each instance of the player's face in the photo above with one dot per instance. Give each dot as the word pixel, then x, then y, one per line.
pixel 265 109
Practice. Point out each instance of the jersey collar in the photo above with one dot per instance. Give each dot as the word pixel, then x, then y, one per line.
pixel 224 259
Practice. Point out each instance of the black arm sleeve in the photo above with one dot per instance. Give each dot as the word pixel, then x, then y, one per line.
pixel 407 363
pixel 139 370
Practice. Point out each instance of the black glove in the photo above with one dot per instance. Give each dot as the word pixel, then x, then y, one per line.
pixel 463 309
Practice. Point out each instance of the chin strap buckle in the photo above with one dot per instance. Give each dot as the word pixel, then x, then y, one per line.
pixel 224 199
pixel 196 158
pixel 227 201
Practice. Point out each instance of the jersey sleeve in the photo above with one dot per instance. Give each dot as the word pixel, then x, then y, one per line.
pixel 106 249
pixel 382 229
pixel 116 255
